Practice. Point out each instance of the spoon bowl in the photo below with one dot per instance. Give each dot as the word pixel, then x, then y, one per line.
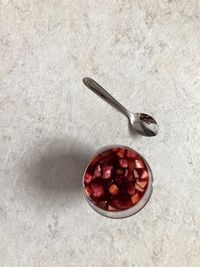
pixel 140 122
pixel 143 124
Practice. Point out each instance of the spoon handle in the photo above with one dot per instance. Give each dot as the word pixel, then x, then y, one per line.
pixel 100 91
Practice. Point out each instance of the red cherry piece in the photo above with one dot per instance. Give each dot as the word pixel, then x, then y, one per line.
pixel 88 178
pixel 107 160
pixel 113 189
pixel 121 204
pixel 144 175
pixel 131 154
pixel 107 172
pixel 115 150
pixel 126 173
pixel 97 171
pixel 136 174
pixel 118 180
pixel 130 177
pixel 131 188
pixel 103 204
pixel 110 208
pixel 121 153
pixel 123 163
pixel 106 153
pixel 135 198
pixel 142 183
pixel 139 164
pixel 131 165
pixel 95 160
pixel 139 188
pixel 97 190
pixel 119 171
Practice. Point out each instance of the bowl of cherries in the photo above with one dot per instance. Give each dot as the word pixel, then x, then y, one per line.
pixel 117 182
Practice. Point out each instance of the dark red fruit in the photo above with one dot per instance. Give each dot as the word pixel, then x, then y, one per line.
pixel 136 174
pixel 88 178
pixel 97 171
pixel 97 190
pixel 130 154
pixel 110 208
pixel 131 165
pixel 119 171
pixel 116 179
pixel 130 177
pixel 123 163
pixel 113 189
pixel 126 173
pixel 121 153
pixel 144 175
pixel 121 203
pixel 107 160
pixel 103 204
pixel 142 183
pixel 135 198
pixel 107 172
pixel 140 189
pixel 131 188
pixel 95 160
pixel 139 164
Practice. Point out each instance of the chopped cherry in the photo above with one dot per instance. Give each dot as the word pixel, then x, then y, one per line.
pixel 130 177
pixel 107 160
pixel 139 188
pixel 113 189
pixel 136 174
pixel 95 160
pixel 135 198
pixel 144 175
pixel 111 208
pixel 103 204
pixel 131 188
pixel 142 183
pixel 139 164
pixel 131 165
pixel 88 178
pixel 121 203
pixel 97 190
pixel 115 150
pixel 126 173
pixel 118 180
pixel 107 172
pixel 119 171
pixel 121 153
pixel 123 163
pixel 106 153
pixel 130 154
pixel 97 171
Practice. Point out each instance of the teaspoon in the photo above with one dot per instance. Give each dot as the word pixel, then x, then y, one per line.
pixel 141 122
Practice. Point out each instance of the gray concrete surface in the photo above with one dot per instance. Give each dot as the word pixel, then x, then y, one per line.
pixel 147 54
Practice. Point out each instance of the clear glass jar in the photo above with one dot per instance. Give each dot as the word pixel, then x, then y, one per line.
pixel 119 214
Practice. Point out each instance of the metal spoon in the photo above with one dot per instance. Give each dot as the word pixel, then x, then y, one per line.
pixel 142 123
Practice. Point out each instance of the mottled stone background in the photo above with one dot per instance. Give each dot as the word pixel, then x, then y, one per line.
pixel 147 54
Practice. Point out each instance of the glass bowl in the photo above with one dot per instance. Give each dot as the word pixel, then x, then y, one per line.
pixel 96 169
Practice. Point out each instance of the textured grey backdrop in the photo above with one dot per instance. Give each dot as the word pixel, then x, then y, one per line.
pixel 147 54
